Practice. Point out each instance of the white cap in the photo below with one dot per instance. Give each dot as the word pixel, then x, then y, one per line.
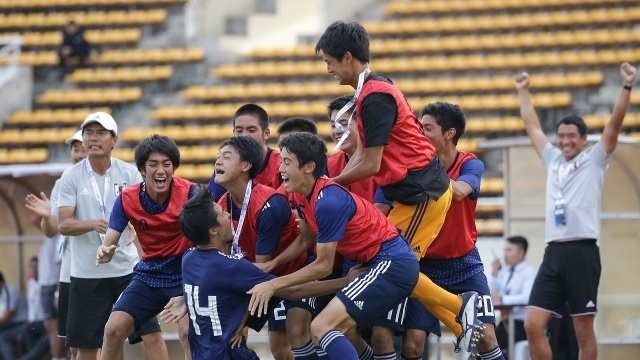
pixel 76 137
pixel 103 119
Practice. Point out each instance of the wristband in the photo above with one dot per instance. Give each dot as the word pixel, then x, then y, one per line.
pixel 627 87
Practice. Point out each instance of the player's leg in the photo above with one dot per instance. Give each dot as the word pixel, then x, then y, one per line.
pixel 63 311
pixel 418 323
pixel 385 285
pixel 56 344
pixel 154 345
pixel 586 336
pixel 298 325
pixel 384 329
pixel 278 342
pixel 183 335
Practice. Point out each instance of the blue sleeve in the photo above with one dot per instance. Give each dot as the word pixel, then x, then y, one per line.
pixel 118 220
pixel 273 217
pixel 379 198
pixel 193 190
pixel 215 189
pixel 334 209
pixel 246 276
pixel 471 173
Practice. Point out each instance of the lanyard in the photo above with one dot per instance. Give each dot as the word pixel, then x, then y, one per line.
pixel 101 199
pixel 349 105
pixel 236 251
pixel 564 170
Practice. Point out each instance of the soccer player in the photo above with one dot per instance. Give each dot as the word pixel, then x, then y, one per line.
pixel 252 120
pixel 296 124
pixel 262 221
pixel 394 151
pixel 214 277
pixel 87 193
pixel 153 207
pixel 453 261
pixel 348 225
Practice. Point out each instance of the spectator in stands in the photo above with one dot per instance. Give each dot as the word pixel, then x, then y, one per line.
pixel 297 124
pixel 31 336
pixel 13 306
pixel 511 285
pixel 75 45
pixel 87 193
pixel 56 325
pixel 252 120
pixel 570 270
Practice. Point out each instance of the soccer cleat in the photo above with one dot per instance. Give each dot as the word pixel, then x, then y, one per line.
pixel 467 344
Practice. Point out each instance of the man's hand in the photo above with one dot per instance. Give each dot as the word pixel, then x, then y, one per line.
pixel 101 225
pixel 628 73
pixel 174 310
pixel 132 235
pixel 105 254
pixel 39 205
pixel 495 267
pixel 237 338
pixel 356 271
pixel 522 81
pixel 260 296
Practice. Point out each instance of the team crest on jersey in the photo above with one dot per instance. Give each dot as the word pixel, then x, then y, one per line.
pixel 118 188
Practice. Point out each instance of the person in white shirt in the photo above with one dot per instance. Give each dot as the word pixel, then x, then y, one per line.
pixel 511 285
pixel 13 306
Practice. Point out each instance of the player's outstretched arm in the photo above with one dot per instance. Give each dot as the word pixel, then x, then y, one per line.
pixel 320 288
pixel 320 268
pixel 528 114
pixel 368 166
pixel 174 310
pixel 612 129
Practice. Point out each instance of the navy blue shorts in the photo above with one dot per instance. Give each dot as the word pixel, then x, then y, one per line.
pixel 278 317
pixel 418 317
pixel 379 290
pixel 143 302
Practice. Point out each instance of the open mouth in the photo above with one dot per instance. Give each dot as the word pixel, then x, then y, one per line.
pixel 285 178
pixel 160 181
pixel 219 171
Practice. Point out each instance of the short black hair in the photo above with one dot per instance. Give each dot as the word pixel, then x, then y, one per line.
pixel 159 144
pixel 341 37
pixel 448 116
pixel 307 148
pixel 254 110
pixel 338 103
pixel 249 150
pixel 297 124
pixel 520 241
pixel 573 120
pixel 198 216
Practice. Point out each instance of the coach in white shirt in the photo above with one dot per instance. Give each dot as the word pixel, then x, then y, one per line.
pixel 511 285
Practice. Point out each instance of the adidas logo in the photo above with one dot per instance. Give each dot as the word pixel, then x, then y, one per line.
pixel 84 192
pixel 359 304
pixel 591 304
pixel 416 249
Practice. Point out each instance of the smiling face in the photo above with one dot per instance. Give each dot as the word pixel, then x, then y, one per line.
pixel 340 69
pixel 433 131
pixel 229 166
pixel 158 173
pixel 350 143
pixel 97 140
pixel 569 141
pixel 77 152
pixel 295 178
pixel 249 125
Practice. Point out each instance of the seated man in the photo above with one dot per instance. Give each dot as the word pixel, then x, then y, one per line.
pixel 511 285
pixel 348 225
pixel 215 278
pixel 73 45
pixel 13 306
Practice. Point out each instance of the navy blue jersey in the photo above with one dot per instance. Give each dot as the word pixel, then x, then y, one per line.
pixel 215 287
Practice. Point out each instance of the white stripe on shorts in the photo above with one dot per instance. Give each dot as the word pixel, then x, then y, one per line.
pixel 357 286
